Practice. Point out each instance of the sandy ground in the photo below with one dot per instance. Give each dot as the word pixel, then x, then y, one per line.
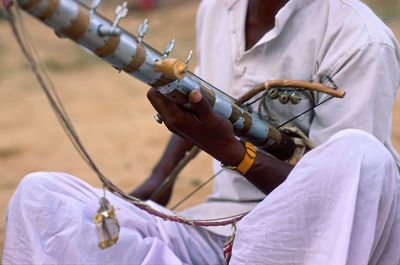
pixel 108 109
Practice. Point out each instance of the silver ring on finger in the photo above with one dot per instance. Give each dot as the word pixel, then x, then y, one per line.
pixel 158 118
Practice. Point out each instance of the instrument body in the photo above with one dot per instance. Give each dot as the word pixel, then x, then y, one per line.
pixel 127 53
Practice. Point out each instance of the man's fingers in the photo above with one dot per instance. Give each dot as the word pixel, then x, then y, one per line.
pixel 163 105
pixel 199 104
pixel 177 118
pixel 195 96
pixel 174 117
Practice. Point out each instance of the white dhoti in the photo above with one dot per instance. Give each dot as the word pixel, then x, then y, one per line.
pixel 50 221
pixel 340 205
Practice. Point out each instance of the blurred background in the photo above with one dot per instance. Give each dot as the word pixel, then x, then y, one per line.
pixel 108 109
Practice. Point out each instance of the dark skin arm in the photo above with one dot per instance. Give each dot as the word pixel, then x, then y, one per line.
pixel 175 151
pixel 260 18
pixel 214 134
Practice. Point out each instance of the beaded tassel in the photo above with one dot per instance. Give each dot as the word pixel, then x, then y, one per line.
pixel 106 224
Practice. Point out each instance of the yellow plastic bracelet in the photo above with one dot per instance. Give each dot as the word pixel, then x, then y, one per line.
pixel 247 160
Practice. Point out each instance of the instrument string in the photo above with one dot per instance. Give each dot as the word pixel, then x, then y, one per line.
pixel 196 190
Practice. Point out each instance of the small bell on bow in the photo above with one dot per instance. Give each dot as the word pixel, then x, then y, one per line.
pixel 106 224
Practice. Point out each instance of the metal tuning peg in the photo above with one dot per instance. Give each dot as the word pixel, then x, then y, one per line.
pixel 284 97
pixel 295 98
pixel 273 93
pixel 189 57
pixel 108 31
pixel 121 12
pixel 95 4
pixel 169 48
pixel 111 30
pixel 143 28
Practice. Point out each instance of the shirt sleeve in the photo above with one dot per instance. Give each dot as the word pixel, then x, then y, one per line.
pixel 370 76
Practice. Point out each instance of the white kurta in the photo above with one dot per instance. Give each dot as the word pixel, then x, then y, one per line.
pixel 311 39
pixel 339 206
pixel 50 221
pixel 298 222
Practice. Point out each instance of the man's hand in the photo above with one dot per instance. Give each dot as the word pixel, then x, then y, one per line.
pixel 147 188
pixel 213 133
pixel 175 151
pixel 200 125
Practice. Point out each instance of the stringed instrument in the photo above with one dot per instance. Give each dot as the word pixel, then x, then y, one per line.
pixel 125 52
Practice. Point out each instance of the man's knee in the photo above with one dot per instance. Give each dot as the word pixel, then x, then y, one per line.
pixel 352 142
pixel 351 154
pixel 35 181
pixel 362 151
pixel 40 186
pixel 351 136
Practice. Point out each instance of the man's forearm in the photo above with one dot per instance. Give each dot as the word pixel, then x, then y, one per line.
pixel 267 173
pixel 174 152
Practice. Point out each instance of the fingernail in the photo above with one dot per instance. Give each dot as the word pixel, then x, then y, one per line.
pixel 195 96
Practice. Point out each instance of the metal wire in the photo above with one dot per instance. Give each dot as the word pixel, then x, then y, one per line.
pixel 196 190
